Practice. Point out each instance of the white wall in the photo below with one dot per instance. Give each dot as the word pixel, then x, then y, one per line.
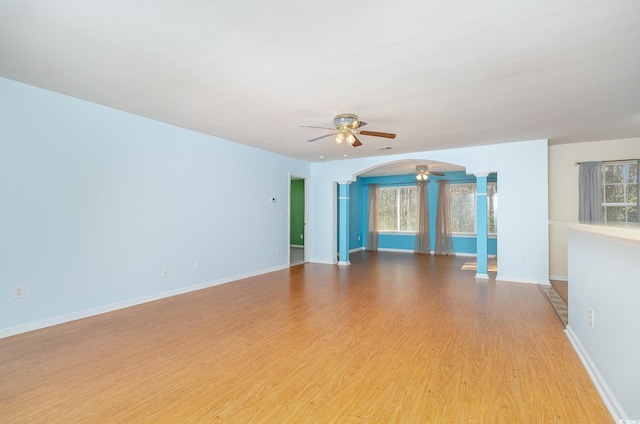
pixel 95 202
pixel 563 188
pixel 604 274
pixel 522 212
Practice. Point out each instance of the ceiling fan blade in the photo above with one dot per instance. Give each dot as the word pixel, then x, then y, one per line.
pixel 378 134
pixel 357 142
pixel 438 174
pixel 318 138
pixel 310 126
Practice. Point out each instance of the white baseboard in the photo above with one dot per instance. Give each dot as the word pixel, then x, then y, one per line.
pixel 500 277
pixel 559 277
pixel 482 276
pixel 385 249
pixel 472 255
pixel 61 319
pixel 609 399
pixel 357 249
pixel 344 263
pixel 323 262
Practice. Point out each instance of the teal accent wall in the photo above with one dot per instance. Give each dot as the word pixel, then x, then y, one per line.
pixel 297 213
pixel 463 245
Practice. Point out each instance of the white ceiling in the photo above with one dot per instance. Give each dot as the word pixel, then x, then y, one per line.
pixel 440 74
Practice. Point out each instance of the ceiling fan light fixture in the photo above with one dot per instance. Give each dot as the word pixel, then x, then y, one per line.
pixel 423 173
pixel 340 138
pixel 351 138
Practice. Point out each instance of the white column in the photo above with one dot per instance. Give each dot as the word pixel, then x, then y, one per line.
pixel 482 227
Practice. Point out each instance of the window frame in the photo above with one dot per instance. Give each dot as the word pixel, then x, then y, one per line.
pixel 397 189
pixel 625 185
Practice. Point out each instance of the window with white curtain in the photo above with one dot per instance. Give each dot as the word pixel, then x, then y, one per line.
pixel 397 209
pixel 463 208
pixel 620 191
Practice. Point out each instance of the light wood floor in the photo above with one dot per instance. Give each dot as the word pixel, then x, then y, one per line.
pixel 393 338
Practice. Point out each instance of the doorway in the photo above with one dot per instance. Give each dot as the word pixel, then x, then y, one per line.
pixel 297 221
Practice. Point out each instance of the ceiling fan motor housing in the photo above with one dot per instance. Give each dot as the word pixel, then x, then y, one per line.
pixel 346 121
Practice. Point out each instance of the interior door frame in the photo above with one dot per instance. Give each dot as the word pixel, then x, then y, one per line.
pixel 292 177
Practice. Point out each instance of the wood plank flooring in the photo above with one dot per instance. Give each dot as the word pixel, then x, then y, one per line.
pixel 393 338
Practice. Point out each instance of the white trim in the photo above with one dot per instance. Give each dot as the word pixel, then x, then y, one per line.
pixel 472 255
pixel 482 276
pixel 472 235
pixel 324 262
pixel 500 277
pixel 297 246
pixel 357 249
pixel 61 319
pixel 559 277
pixel 612 404
pixel 385 249
pixel 344 263
pixel 344 198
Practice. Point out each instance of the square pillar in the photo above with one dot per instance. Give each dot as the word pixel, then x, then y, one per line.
pixel 343 224
pixel 482 227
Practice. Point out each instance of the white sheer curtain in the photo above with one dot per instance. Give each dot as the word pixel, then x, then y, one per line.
pixel 590 192
pixel 423 243
pixel 372 228
pixel 444 242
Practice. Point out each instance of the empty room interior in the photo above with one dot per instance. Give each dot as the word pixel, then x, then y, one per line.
pixel 322 212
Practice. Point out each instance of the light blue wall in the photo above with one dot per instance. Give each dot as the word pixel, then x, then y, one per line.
pixel 603 276
pixel 462 245
pixel 95 202
pixel 356 234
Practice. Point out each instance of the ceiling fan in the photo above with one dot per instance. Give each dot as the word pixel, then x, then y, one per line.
pixel 423 173
pixel 347 128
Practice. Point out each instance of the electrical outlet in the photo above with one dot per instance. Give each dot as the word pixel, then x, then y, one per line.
pixel 523 259
pixel 198 263
pixel 301 236
pixel 18 292
pixel 591 319
pixel 163 272
pixel 277 250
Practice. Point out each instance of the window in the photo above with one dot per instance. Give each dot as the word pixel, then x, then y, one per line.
pixel 463 208
pixel 620 191
pixel 492 205
pixel 397 209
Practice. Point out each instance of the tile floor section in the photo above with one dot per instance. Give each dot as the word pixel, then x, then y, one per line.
pixel 558 304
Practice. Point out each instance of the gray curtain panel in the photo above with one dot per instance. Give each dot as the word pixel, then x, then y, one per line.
pixel 444 241
pixel 423 242
pixel 638 207
pixel 590 192
pixel 372 228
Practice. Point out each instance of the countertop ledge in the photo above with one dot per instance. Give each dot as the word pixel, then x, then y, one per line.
pixel 624 231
